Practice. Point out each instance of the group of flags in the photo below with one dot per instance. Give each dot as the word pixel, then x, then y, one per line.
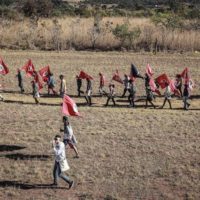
pixel 30 71
pixel 69 107
pixel 161 80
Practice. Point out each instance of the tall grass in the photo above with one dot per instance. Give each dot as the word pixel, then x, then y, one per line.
pixel 76 33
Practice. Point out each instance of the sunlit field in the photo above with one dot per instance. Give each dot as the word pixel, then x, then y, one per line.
pixel 125 153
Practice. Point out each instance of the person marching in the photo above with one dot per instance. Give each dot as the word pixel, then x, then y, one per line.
pixel 186 95
pixel 88 92
pixel 20 80
pixel 36 93
pixel 79 84
pixel 101 84
pixel 126 85
pixel 179 84
pixel 149 96
pixel 61 164
pixel 111 94
pixel 132 91
pixel 51 84
pixel 69 137
pixel 167 95
pixel 63 87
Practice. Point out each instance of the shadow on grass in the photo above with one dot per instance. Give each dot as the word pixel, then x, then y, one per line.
pixel 20 156
pixel 10 147
pixel 32 103
pixel 26 186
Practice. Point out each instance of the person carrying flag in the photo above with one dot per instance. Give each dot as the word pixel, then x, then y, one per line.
pixel 20 80
pixel 149 96
pixel 167 95
pixel 63 87
pixel 88 91
pixel 101 84
pixel 111 94
pixel 178 84
pixel 79 84
pixel 186 95
pixel 126 85
pixel 51 84
pixel 61 164
pixel 69 137
pixel 132 91
pixel 36 93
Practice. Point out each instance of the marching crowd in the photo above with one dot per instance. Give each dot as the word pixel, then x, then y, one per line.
pixel 180 87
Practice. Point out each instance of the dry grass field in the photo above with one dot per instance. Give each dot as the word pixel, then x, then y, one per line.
pixel 125 153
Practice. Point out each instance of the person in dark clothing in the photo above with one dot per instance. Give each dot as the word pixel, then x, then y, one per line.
pixel 88 92
pixel 179 84
pixel 186 95
pixel 146 79
pixel 132 91
pixel 79 84
pixel 51 84
pixel 149 97
pixel 20 80
pixel 126 85
pixel 111 94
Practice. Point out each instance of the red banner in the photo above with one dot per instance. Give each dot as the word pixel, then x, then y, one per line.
pixel 69 107
pixel 3 67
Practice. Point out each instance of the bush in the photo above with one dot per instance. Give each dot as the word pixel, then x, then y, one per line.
pixel 125 35
pixel 40 8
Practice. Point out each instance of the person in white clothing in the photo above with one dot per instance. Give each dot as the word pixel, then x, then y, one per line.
pixel 61 163
pixel 69 137
pixel 167 95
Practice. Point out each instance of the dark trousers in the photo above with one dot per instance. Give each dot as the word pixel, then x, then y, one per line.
pixel 168 102
pixel 113 100
pixel 21 87
pixel 80 91
pixel 125 90
pixel 57 173
pixel 131 100
pixel 150 103
pixel 88 100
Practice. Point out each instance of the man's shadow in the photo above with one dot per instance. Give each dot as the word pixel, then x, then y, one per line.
pixel 26 186
pixel 20 156
pixel 10 147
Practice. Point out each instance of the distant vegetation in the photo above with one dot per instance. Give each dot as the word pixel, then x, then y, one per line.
pixel 140 8
pixel 171 25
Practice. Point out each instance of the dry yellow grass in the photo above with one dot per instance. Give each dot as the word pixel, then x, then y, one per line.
pixel 124 153
pixel 74 32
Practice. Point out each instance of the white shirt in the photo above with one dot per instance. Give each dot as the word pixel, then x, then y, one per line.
pixel 68 132
pixel 59 150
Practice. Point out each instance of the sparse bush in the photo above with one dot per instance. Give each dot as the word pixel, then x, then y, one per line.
pixel 126 35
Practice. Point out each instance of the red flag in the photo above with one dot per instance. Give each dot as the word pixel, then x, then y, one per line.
pixel 173 87
pixel 149 70
pixel 37 79
pixel 44 72
pixel 185 75
pixel 83 75
pixel 3 67
pixel 162 79
pixel 117 78
pixel 69 107
pixel 154 87
pixel 29 68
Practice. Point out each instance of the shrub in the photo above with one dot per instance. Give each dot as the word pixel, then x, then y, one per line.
pixel 126 35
